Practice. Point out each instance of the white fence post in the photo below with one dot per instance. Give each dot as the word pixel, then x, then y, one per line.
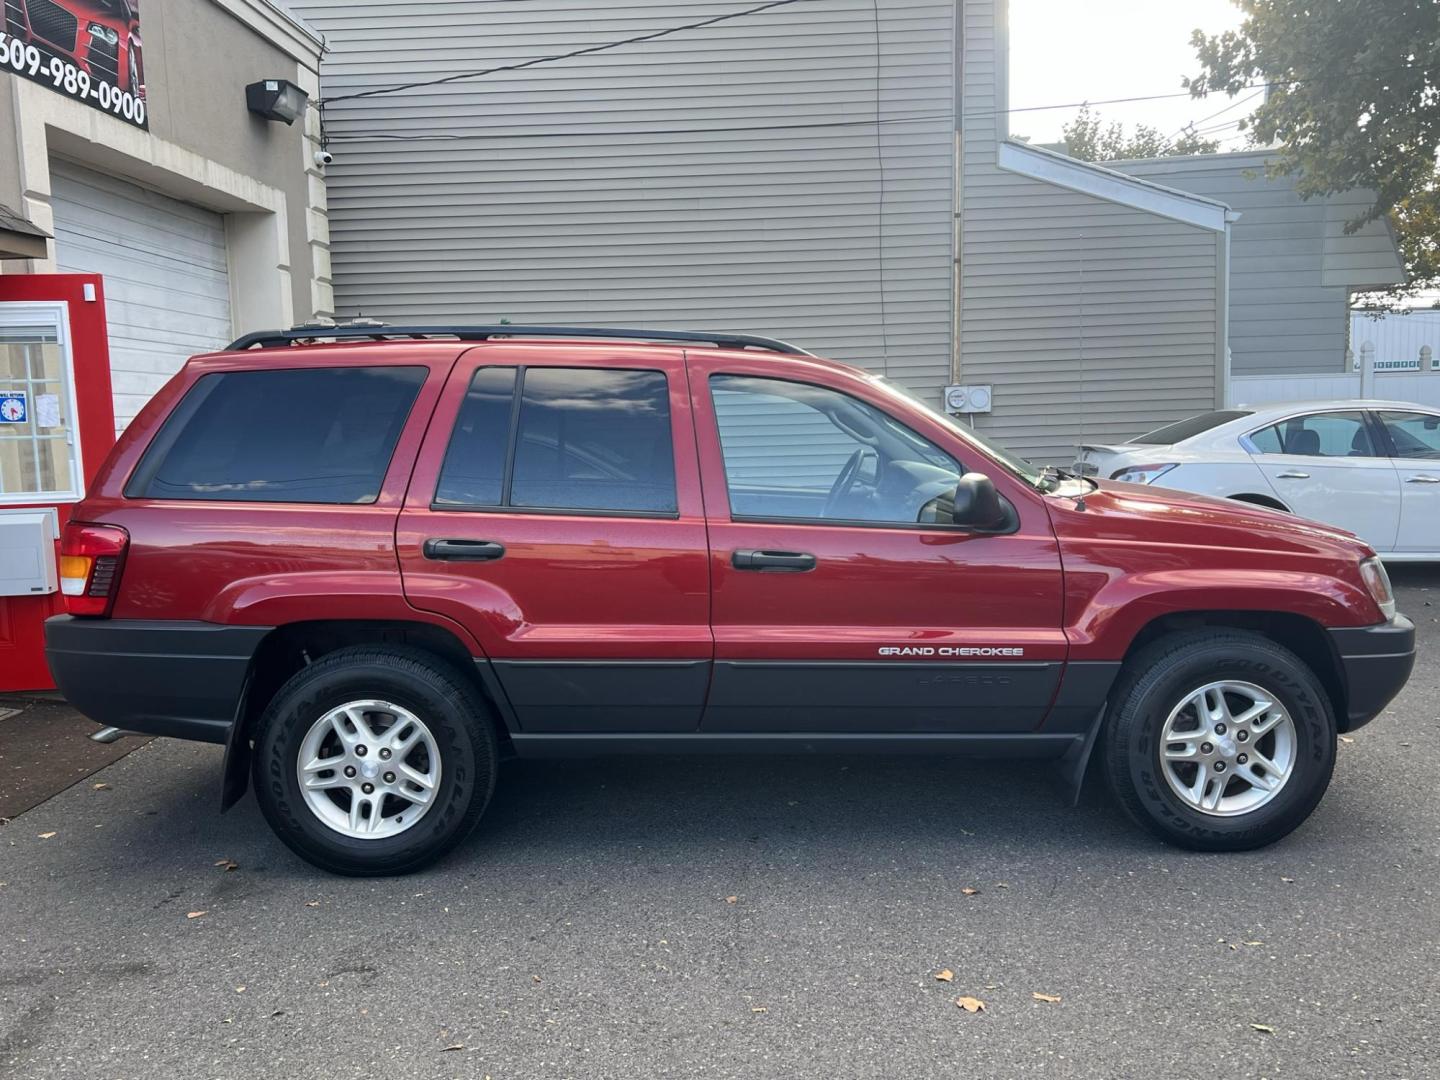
pixel 1367 369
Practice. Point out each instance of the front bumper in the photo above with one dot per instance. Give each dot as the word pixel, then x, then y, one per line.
pixel 182 679
pixel 1375 662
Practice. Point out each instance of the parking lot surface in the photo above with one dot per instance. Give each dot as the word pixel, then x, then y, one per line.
pixel 737 918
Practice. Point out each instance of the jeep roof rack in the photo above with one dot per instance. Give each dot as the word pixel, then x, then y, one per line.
pixel 381 332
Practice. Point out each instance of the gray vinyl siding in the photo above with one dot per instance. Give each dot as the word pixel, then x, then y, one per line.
pixel 1292 267
pixel 1093 321
pixel 731 177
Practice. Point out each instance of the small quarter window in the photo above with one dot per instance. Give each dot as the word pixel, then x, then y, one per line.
pixel 474 469
pixel 306 435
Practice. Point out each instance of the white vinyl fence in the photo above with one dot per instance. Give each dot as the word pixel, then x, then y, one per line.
pixel 1417 381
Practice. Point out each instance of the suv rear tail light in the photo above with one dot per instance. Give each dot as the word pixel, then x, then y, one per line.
pixel 90 558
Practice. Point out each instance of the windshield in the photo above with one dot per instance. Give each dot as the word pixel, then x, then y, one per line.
pixel 1019 466
pixel 1181 430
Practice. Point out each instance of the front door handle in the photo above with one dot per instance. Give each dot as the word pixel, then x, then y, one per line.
pixel 463 550
pixel 1292 475
pixel 1421 478
pixel 794 562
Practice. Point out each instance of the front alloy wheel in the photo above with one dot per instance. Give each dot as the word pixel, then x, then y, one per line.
pixel 1228 748
pixel 1219 740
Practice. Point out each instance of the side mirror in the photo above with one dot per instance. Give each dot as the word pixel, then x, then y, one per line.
pixel 977 505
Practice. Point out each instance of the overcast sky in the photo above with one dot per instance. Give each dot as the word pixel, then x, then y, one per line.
pixel 1092 50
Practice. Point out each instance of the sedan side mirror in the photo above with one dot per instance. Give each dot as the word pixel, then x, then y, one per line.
pixel 977 505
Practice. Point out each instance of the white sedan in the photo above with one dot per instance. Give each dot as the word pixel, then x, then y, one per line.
pixel 1372 467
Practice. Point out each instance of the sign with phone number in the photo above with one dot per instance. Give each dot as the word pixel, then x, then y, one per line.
pixel 34 61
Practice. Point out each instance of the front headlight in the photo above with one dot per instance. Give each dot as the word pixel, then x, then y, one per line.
pixel 1141 474
pixel 106 34
pixel 1378 582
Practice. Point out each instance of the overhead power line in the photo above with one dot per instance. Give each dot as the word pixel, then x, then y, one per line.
pixel 637 39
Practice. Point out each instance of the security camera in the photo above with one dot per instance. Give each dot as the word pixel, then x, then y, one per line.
pixel 323 157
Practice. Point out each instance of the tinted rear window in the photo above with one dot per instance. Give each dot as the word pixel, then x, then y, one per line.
pixel 317 435
pixel 1189 427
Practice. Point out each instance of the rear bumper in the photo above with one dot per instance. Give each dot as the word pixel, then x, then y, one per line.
pixel 181 679
pixel 1376 661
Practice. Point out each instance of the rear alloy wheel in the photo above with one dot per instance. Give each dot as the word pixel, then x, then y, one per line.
pixel 1219 740
pixel 369 769
pixel 375 761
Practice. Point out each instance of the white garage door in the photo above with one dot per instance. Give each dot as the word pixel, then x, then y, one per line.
pixel 167 287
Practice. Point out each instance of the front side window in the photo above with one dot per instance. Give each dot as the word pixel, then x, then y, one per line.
pixel 794 451
pixel 304 435
pixel 586 439
pixel 1415 435
pixel 1336 434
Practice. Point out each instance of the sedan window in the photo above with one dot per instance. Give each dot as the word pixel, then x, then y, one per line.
pixel 1415 435
pixel 1337 434
pixel 1171 434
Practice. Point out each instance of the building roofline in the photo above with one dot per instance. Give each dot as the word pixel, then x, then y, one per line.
pixel 1113 186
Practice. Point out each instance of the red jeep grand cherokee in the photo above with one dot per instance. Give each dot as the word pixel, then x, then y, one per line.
pixel 372 566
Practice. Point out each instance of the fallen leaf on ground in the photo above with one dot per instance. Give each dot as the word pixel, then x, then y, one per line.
pixel 1052 998
pixel 312 903
pixel 1346 739
pixel 228 864
pixel 970 1004
pixel 452 1046
pixel 1002 884
pixel 969 890
pixel 100 787
pixel 732 899
pixel 945 976
pixel 46 835
pixel 1266 1028
pixel 239 989
pixel 1288 880
pixel 195 914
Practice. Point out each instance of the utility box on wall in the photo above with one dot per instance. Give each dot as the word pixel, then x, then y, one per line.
pixel 27 552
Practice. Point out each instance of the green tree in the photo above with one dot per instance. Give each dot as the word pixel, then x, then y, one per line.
pixel 1353 101
pixel 1089 138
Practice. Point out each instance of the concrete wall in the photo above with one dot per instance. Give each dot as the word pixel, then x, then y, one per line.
pixel 202 146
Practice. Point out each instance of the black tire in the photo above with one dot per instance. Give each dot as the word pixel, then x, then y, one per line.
pixel 1157 678
pixel 450 706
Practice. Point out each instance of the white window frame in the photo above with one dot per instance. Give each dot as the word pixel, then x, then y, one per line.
pixel 56 313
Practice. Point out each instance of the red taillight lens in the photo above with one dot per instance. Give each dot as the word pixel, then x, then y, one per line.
pixel 90 557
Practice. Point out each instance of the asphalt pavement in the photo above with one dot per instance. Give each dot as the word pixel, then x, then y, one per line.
pixel 737 918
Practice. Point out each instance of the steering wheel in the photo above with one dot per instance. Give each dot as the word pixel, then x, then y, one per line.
pixel 840 490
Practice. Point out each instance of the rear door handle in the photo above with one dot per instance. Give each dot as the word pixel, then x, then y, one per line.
pixel 1292 475
pixel 794 562
pixel 1421 478
pixel 464 550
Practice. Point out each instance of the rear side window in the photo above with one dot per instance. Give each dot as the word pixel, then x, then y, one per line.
pixel 1188 428
pixel 310 435
pixel 1337 434
pixel 586 439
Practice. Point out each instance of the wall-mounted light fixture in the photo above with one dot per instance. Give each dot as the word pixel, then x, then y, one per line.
pixel 276 99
